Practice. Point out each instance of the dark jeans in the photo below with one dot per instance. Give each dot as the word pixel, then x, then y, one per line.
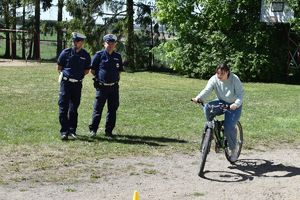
pixel 69 100
pixel 111 95
pixel 230 120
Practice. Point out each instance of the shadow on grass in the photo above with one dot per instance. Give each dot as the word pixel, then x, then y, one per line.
pixel 251 168
pixel 133 139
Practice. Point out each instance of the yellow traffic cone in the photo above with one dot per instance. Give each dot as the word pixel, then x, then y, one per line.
pixel 136 195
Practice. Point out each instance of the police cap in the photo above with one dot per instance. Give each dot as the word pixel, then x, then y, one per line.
pixel 110 38
pixel 77 37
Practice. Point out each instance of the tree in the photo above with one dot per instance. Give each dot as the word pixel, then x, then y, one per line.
pixel 14 27
pixel 23 34
pixel 36 37
pixel 210 32
pixel 1 11
pixel 7 26
pixel 85 12
pixel 59 31
pixel 144 39
pixel 130 35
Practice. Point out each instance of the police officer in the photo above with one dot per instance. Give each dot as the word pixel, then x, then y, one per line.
pixel 73 64
pixel 106 67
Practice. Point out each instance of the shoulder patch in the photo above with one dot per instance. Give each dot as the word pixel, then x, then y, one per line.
pixel 99 52
pixel 68 49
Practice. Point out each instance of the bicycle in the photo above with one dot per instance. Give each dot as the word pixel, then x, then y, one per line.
pixel 214 129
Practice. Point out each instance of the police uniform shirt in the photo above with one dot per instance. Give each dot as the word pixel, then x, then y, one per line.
pixel 74 63
pixel 107 67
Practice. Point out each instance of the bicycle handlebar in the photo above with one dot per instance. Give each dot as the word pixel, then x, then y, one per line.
pixel 222 105
pixel 198 102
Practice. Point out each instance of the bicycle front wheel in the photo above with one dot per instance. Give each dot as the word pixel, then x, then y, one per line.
pixel 204 149
pixel 239 143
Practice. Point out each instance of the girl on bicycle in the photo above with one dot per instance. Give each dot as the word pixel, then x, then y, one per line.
pixel 229 91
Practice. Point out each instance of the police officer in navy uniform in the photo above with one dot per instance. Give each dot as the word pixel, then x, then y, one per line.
pixel 73 64
pixel 106 67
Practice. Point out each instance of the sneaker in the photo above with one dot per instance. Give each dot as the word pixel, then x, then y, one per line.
pixel 109 134
pixel 73 135
pixel 92 134
pixel 64 136
pixel 234 155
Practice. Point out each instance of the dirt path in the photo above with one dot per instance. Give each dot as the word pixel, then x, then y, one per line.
pixel 257 175
pixel 12 63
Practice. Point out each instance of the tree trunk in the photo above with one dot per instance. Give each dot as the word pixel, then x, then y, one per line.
pixel 30 49
pixel 14 27
pixel 7 26
pixel 59 31
pixel 130 35
pixel 36 48
pixel 23 34
pixel 151 59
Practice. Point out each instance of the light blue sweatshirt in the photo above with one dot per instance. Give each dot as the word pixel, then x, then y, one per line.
pixel 230 90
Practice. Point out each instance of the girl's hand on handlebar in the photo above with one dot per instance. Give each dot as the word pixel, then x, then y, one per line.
pixel 233 106
pixel 194 100
pixel 197 101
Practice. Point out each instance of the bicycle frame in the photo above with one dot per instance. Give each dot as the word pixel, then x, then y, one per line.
pixel 216 126
pixel 213 130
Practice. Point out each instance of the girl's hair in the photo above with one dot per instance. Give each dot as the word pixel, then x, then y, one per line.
pixel 223 67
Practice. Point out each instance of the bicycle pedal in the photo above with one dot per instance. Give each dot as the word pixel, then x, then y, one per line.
pixel 218 150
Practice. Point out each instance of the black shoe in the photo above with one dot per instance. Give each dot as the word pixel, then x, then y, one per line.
pixel 109 134
pixel 93 134
pixel 73 135
pixel 64 136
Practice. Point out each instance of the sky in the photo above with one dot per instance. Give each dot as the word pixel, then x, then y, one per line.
pixel 51 14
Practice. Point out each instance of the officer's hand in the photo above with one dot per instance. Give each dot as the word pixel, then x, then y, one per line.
pixel 233 106
pixel 60 77
pixel 96 84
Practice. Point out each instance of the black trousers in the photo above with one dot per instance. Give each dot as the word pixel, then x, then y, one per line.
pixel 109 94
pixel 69 100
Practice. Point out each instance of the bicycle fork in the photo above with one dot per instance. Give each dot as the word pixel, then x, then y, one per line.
pixel 208 125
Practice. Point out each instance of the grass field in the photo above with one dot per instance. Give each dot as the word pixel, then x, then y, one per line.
pixel 155 117
pixel 48 49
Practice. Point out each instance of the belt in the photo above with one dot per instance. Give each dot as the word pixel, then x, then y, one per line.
pixel 107 84
pixel 71 80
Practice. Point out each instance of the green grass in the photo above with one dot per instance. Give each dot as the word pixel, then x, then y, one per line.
pixel 155 117
pixel 48 49
pixel 155 111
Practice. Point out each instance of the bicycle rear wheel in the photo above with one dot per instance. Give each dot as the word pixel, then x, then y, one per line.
pixel 239 142
pixel 204 149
